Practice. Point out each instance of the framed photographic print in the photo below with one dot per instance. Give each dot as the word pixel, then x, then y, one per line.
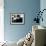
pixel 17 18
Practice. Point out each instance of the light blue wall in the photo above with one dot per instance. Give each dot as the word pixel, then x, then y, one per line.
pixel 43 6
pixel 28 7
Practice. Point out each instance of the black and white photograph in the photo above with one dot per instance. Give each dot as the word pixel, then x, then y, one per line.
pixel 17 18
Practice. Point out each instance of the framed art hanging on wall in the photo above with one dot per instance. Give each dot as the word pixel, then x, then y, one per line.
pixel 17 18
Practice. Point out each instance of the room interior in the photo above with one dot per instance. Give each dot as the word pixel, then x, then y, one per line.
pixel 14 33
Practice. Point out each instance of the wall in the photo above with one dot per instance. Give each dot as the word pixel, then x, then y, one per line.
pixel 1 20
pixel 43 6
pixel 28 7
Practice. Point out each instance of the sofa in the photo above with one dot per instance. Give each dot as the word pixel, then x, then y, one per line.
pixel 39 37
pixel 39 34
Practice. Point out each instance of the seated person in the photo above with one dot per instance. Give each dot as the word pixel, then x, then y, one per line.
pixel 17 19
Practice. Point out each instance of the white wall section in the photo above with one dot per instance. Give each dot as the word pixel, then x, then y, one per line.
pixel 1 20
